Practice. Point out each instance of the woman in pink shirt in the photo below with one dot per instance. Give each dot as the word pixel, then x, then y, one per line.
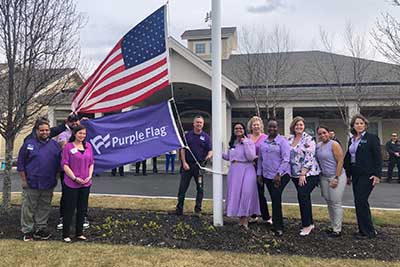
pixel 257 136
pixel 77 162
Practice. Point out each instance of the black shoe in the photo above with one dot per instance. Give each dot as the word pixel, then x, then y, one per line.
pixel 179 212
pixel 137 174
pixel 27 237
pixel 112 174
pixel 197 213
pixel 328 231
pixel 41 234
pixel 155 171
pixel 334 234
pixel 389 181
pixel 144 174
pixel 278 233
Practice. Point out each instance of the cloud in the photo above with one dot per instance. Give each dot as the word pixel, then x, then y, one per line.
pixel 267 7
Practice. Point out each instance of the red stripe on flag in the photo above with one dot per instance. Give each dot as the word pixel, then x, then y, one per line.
pixel 95 80
pixel 130 77
pixel 129 103
pixel 98 71
pixel 132 89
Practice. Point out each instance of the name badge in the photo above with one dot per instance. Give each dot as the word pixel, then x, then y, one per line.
pixel 30 147
pixel 74 150
pixel 202 138
pixel 363 141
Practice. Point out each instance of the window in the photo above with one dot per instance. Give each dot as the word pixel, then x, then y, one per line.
pixel 200 48
pixel 373 128
pixel 310 128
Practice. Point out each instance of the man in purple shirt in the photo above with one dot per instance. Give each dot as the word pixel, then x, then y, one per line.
pixel 200 144
pixel 38 164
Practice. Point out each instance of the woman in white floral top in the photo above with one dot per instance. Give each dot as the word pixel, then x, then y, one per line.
pixel 305 170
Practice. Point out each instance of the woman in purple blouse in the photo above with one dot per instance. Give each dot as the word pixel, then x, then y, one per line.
pixel 273 169
pixel 77 162
pixel 304 169
pixel 241 192
pixel 257 135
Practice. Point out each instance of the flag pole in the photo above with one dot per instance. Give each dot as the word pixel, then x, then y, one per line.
pixel 216 112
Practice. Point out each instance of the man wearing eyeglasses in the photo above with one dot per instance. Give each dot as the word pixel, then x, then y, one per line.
pixel 393 148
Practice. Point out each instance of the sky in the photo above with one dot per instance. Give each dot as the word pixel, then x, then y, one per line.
pixel 108 21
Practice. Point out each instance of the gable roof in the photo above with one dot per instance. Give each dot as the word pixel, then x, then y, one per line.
pixel 226 32
pixel 308 68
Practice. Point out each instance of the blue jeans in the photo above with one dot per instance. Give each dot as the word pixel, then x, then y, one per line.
pixel 170 158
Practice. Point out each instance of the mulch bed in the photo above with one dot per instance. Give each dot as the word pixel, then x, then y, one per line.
pixel 160 229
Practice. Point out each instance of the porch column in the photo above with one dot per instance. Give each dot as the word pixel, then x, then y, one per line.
pixel 50 116
pixel 353 109
pixel 288 117
pixel 224 117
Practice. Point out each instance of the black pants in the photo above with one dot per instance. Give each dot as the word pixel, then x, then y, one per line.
pixel 304 198
pixel 75 199
pixel 393 161
pixel 362 188
pixel 62 194
pixel 144 167
pixel 120 171
pixel 263 202
pixel 276 199
pixel 186 176
pixel 155 170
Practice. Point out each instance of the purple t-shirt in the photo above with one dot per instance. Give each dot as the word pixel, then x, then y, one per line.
pixel 78 162
pixel 200 144
pixel 274 157
pixel 40 160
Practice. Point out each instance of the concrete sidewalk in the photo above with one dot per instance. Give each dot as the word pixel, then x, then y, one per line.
pixel 384 195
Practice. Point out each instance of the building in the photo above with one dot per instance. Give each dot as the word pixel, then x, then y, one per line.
pixel 322 87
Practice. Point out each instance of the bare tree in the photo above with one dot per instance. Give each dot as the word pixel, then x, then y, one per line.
pixel 39 40
pixel 387 37
pixel 345 77
pixel 265 65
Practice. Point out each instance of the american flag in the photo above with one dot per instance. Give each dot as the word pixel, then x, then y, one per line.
pixel 134 69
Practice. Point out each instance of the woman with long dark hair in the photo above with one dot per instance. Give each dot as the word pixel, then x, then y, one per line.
pixel 241 196
pixel 77 162
pixel 330 156
pixel 363 165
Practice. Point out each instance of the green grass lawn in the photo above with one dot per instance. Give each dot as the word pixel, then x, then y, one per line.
pixel 54 253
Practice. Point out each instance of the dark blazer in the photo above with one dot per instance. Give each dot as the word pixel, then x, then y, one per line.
pixel 368 156
pixel 54 131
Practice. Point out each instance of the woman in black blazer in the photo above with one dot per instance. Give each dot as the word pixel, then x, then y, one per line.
pixel 363 165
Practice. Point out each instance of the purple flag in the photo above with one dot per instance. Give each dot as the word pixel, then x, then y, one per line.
pixel 132 136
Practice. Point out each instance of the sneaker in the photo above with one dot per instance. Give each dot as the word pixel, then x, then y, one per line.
pixel 27 237
pixel 86 223
pixel 269 221
pixel 67 240
pixel 334 234
pixel 42 234
pixel 60 224
pixel 278 233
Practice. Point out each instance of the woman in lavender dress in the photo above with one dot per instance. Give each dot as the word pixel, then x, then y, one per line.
pixel 241 196
pixel 257 135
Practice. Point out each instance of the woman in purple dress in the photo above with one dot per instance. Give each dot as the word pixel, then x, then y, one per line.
pixel 257 135
pixel 241 196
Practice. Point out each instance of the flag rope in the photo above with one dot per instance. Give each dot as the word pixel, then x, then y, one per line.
pixel 172 100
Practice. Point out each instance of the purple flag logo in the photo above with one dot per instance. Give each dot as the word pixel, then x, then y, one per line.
pixel 132 136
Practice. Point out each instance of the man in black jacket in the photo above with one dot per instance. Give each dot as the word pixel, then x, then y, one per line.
pixel 393 148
